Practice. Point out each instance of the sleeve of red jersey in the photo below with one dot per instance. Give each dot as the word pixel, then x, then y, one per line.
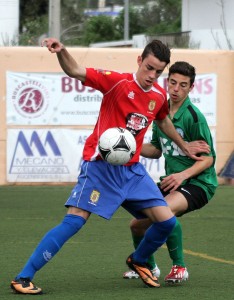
pixel 102 80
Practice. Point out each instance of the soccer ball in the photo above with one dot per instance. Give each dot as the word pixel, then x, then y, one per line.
pixel 117 146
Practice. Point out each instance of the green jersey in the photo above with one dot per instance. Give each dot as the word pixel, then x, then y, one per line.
pixel 191 124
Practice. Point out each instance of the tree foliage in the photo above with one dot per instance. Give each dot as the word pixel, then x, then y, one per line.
pixel 33 21
pixel 162 17
pixel 98 29
pixel 159 16
pixel 135 23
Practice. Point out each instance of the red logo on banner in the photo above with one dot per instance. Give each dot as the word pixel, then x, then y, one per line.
pixel 30 100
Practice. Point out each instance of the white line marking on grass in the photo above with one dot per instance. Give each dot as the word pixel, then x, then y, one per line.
pixel 205 256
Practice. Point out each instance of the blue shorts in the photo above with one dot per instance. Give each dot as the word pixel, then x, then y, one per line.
pixel 102 188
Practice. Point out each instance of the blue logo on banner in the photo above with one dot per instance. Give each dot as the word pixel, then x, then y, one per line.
pixel 40 160
pixel 35 140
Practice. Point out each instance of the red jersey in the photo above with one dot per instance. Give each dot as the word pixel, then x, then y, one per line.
pixel 125 104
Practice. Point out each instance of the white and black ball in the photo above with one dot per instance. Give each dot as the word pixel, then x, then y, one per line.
pixel 117 146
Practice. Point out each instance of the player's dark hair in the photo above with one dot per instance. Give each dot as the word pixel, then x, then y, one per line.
pixel 158 49
pixel 183 68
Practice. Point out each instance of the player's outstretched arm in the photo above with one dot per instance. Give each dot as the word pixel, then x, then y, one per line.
pixel 190 149
pixel 67 62
pixel 173 181
pixel 150 151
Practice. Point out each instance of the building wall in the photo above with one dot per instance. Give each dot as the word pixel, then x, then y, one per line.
pixel 36 59
pixel 9 22
pixel 207 20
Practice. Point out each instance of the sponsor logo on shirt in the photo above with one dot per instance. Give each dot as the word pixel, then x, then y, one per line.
pixel 136 122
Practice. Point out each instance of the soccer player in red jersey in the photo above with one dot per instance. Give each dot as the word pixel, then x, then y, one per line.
pixel 130 101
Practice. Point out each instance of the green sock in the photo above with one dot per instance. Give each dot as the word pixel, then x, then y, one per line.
pixel 136 242
pixel 175 245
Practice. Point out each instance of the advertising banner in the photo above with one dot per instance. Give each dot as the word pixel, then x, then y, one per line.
pixel 56 99
pixel 44 155
pixel 54 155
pixel 203 95
pixel 50 99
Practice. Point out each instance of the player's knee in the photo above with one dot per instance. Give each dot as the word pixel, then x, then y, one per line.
pixel 138 227
pixel 133 226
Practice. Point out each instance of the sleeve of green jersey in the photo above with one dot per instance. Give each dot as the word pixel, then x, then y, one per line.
pixel 155 137
pixel 201 131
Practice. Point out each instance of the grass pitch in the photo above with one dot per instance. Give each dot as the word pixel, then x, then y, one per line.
pixel 91 264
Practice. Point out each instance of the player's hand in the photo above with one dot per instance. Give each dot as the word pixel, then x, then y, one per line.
pixel 53 45
pixel 196 147
pixel 172 182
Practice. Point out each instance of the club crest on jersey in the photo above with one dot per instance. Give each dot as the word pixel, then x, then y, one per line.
pixel 152 105
pixel 94 196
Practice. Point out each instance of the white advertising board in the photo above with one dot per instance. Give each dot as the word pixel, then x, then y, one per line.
pixel 54 155
pixel 50 99
pixel 56 99
pixel 203 95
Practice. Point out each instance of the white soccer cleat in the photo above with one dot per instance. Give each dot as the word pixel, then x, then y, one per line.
pixel 177 275
pixel 133 275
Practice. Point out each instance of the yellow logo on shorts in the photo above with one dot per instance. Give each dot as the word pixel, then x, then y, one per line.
pixel 94 196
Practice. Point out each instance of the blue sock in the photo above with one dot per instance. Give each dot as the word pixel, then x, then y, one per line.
pixel 51 244
pixel 155 236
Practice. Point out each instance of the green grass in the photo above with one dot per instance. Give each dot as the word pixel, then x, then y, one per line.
pixel 91 264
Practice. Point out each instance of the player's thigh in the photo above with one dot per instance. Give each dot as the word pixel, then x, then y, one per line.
pixel 78 212
pixel 177 202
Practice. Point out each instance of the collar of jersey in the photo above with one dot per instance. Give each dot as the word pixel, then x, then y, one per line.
pixel 181 110
pixel 135 79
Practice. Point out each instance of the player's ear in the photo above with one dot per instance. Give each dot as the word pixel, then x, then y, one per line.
pixel 139 60
pixel 191 87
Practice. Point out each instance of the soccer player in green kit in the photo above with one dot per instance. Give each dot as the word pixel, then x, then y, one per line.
pixel 188 184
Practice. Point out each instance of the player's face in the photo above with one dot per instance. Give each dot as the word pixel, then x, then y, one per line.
pixel 178 87
pixel 149 70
